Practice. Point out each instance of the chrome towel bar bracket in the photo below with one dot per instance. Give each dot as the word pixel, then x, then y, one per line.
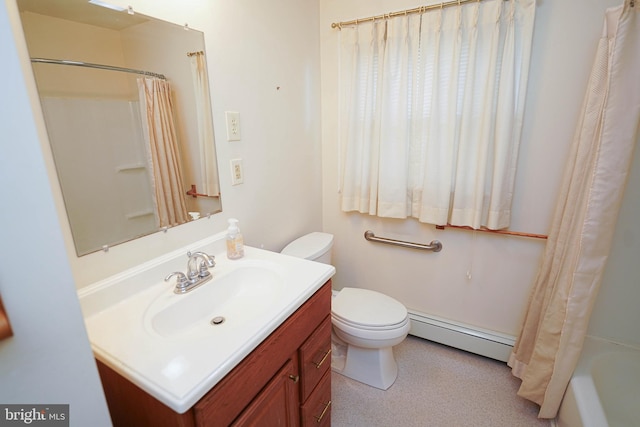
pixel 434 246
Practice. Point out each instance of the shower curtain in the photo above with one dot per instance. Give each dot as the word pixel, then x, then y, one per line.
pixel 570 273
pixel 208 164
pixel 159 124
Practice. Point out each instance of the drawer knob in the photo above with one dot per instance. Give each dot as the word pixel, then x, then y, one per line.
pixel 324 357
pixel 324 411
pixel 294 378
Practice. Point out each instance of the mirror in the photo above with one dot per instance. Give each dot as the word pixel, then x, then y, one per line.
pixel 126 103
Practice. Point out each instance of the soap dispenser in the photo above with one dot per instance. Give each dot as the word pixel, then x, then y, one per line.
pixel 235 243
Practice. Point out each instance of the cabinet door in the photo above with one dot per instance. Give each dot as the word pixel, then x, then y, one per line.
pixel 277 403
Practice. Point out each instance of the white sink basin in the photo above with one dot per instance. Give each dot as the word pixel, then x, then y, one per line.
pixel 231 298
pixel 165 343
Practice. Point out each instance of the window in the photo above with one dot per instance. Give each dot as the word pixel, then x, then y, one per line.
pixel 431 112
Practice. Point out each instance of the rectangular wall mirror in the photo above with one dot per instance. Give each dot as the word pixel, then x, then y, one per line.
pixel 126 103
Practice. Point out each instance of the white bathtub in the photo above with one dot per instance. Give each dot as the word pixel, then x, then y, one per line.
pixel 604 390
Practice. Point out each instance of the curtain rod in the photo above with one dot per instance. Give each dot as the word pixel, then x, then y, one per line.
pixel 419 9
pixel 486 230
pixel 99 66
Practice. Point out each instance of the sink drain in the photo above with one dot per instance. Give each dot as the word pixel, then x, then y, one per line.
pixel 217 320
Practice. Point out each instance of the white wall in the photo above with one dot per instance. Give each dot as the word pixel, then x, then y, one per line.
pixel 502 268
pixel 48 360
pixel 269 72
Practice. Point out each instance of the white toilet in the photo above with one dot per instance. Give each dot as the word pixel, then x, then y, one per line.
pixel 366 324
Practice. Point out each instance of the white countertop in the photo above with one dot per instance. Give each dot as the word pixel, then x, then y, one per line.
pixel 179 368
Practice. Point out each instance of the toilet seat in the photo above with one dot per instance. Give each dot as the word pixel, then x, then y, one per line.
pixel 372 337
pixel 390 328
pixel 369 315
pixel 369 310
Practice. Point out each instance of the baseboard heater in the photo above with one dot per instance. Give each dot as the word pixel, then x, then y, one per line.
pixel 465 337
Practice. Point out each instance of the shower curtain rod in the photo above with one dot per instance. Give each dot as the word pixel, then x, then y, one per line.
pixel 99 66
pixel 420 9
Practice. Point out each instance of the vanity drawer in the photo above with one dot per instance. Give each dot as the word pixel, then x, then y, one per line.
pixel 315 358
pixel 316 411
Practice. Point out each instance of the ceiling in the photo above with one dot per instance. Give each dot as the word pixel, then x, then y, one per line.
pixel 81 11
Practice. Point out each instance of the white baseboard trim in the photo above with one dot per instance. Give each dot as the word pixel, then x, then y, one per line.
pixel 465 337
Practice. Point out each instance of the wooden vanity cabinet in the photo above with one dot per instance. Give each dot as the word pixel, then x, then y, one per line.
pixel 285 381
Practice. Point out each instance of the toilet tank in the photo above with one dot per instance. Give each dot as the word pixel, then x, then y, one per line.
pixel 314 246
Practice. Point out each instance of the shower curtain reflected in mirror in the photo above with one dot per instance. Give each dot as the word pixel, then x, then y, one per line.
pixel 163 154
pixel 208 165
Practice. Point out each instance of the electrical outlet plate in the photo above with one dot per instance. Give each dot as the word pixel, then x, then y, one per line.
pixel 233 125
pixel 237 174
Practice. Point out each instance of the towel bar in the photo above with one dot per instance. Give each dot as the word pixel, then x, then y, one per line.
pixel 434 246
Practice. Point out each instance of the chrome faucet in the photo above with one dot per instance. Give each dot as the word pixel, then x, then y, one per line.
pixel 197 272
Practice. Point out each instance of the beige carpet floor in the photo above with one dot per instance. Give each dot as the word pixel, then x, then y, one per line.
pixel 437 386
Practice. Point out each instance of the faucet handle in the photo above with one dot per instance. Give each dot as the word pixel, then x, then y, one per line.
pixel 181 283
pixel 203 271
pixel 211 261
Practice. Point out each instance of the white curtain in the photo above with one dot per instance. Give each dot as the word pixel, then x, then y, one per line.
pixel 580 239
pixel 431 112
pixel 208 184
pixel 159 126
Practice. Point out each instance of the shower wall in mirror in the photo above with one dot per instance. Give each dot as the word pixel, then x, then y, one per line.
pixel 134 151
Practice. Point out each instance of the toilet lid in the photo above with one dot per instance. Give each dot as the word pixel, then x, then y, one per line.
pixel 367 308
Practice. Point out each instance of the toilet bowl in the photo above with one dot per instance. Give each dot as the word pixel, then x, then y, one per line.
pixel 370 323
pixel 366 324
